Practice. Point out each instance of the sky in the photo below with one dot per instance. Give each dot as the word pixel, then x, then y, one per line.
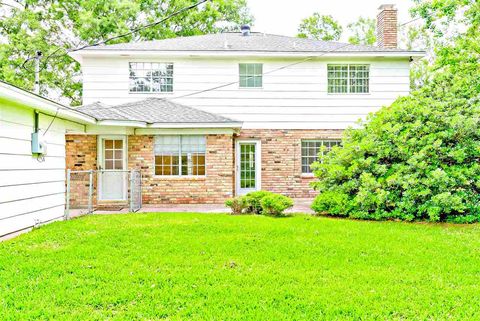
pixel 283 16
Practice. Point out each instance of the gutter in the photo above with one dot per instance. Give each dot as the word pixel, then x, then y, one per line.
pixel 220 53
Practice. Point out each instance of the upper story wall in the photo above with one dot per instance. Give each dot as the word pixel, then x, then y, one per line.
pixel 292 98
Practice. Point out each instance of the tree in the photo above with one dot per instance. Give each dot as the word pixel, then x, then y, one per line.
pixel 363 32
pixel 54 26
pixel 417 159
pixel 320 27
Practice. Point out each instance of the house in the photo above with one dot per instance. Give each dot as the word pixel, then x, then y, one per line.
pixel 208 117
pixel 32 180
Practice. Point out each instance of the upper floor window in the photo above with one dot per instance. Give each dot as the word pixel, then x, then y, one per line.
pixel 348 79
pixel 251 75
pixel 311 150
pixel 151 77
pixel 180 155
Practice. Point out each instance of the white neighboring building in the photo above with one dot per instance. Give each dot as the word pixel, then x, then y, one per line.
pixel 32 187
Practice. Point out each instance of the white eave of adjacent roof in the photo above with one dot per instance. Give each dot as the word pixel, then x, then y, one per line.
pixel 236 53
pixel 37 102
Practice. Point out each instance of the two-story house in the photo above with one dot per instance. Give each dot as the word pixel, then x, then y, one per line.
pixel 209 117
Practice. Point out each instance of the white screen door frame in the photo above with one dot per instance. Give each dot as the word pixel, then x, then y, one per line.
pixel 122 178
pixel 244 185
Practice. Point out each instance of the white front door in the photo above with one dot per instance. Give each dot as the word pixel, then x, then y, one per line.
pixel 248 169
pixel 112 177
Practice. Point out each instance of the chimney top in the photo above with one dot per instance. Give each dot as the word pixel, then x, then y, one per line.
pixel 387 28
pixel 245 29
pixel 387 7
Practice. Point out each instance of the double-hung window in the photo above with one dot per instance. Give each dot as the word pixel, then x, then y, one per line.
pixel 348 79
pixel 180 155
pixel 251 75
pixel 312 149
pixel 151 77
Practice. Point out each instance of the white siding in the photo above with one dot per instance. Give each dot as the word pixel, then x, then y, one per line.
pixel 30 191
pixel 294 97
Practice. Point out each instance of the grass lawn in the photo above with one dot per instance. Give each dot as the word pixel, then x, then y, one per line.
pixel 219 267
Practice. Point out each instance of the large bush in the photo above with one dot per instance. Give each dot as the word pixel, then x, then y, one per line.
pixel 417 159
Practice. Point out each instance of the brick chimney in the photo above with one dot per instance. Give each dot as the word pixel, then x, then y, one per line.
pixel 387 31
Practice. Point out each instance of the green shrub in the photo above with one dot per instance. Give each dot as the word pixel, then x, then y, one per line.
pixel 415 160
pixel 253 200
pixel 275 204
pixel 238 205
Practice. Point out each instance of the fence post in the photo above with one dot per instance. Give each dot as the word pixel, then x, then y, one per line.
pixel 90 192
pixel 131 190
pixel 67 198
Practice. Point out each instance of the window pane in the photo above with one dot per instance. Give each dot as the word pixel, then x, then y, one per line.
pixel 168 150
pixel 151 77
pixel 109 143
pixel 118 164
pixel 250 75
pixel 311 150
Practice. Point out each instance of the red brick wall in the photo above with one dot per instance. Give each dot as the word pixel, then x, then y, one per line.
pixel 281 166
pixel 215 187
pixel 81 154
pixel 281 159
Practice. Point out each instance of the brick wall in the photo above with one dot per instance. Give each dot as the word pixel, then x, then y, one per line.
pixel 81 154
pixel 281 166
pixel 215 187
pixel 281 159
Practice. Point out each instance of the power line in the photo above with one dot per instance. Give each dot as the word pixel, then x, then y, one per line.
pixel 236 82
pixel 102 42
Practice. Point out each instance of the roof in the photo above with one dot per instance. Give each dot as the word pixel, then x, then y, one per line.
pixel 34 101
pixel 155 111
pixel 255 42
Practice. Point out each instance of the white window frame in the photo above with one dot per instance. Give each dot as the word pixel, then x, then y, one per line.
pixel 336 142
pixel 180 157
pixel 151 77
pixel 349 79
pixel 248 75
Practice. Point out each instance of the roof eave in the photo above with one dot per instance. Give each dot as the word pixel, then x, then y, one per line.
pixel 235 53
pixel 37 102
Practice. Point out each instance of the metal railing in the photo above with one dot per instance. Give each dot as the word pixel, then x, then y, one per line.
pixel 88 190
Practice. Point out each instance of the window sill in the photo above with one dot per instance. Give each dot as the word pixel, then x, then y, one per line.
pixel 179 178
pixel 349 94
pixel 250 88
pixel 307 175
pixel 151 93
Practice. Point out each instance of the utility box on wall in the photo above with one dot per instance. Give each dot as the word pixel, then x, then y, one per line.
pixel 39 146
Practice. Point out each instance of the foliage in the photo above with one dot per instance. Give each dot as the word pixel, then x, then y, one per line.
pixel 238 205
pixel 320 27
pixel 53 26
pixel 275 204
pixel 184 266
pixel 363 31
pixel 419 158
pixel 253 200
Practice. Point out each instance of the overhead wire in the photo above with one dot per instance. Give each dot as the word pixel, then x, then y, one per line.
pixel 132 31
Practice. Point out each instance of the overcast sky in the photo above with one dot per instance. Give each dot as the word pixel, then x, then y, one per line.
pixel 283 16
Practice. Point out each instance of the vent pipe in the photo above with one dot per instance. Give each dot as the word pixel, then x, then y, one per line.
pixel 245 30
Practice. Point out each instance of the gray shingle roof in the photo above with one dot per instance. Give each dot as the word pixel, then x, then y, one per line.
pixel 236 42
pixel 152 110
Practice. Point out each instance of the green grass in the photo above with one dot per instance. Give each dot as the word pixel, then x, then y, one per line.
pixel 220 267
